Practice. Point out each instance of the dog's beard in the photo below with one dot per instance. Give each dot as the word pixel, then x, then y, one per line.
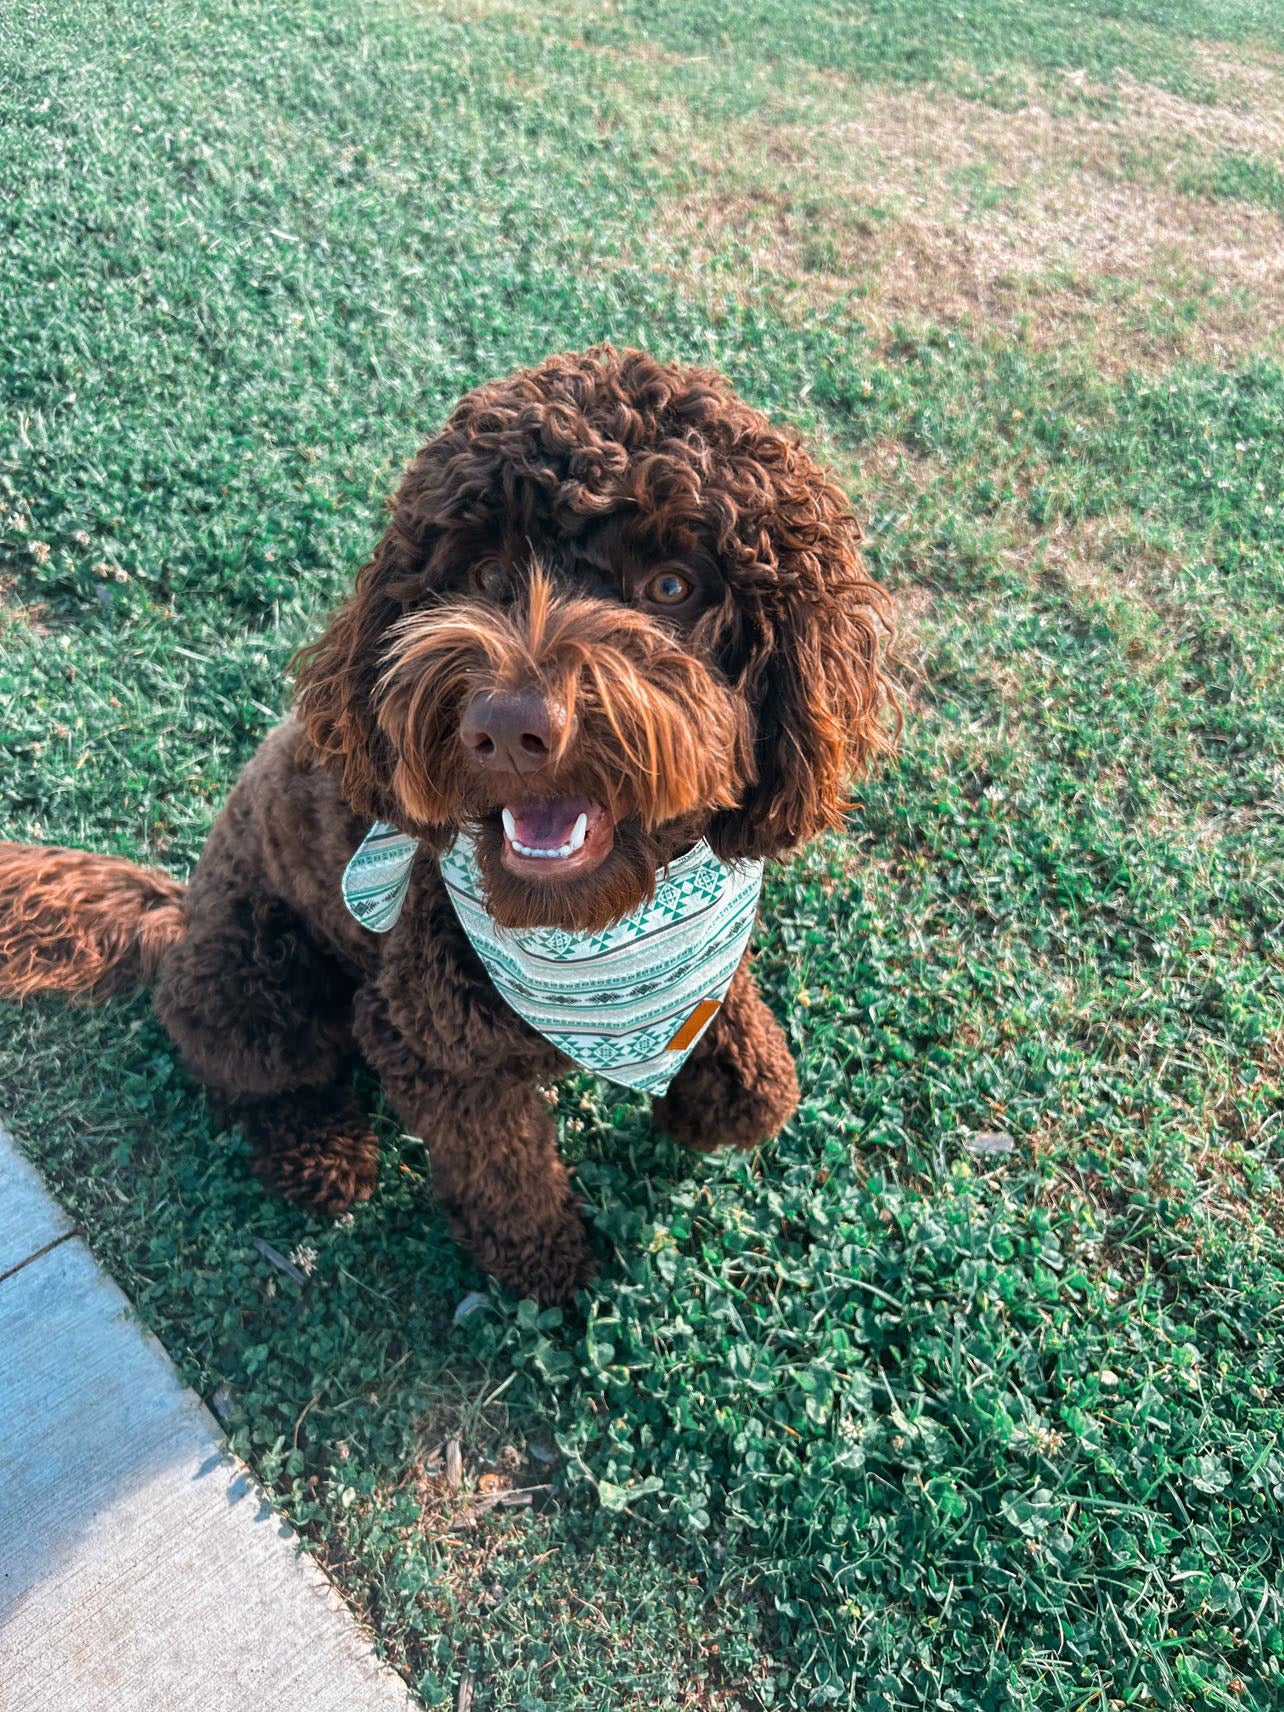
pixel 653 745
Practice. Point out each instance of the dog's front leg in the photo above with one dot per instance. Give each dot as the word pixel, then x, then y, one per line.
pixel 496 1169
pixel 739 1086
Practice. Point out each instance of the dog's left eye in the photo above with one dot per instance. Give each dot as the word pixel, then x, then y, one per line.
pixel 668 588
pixel 491 579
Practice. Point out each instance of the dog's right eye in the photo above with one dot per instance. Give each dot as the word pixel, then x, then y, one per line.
pixel 668 588
pixel 491 579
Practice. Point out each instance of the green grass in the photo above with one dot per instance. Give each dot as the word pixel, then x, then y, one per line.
pixel 868 1419
pixel 1239 178
pixel 978 49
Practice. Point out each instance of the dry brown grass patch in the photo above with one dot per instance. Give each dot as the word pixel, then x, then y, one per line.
pixel 1242 77
pixel 1242 120
pixel 1060 218
pixel 15 615
pixel 1107 558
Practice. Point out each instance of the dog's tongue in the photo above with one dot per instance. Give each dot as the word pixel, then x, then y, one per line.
pixel 546 823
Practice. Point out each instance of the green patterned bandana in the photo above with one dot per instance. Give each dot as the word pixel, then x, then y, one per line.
pixel 628 1002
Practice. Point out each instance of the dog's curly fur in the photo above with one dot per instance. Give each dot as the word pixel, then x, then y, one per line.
pixel 520 558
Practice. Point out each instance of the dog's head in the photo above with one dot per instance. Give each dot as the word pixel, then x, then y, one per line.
pixel 615 610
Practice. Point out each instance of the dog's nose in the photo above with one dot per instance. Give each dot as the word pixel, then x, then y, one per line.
pixel 511 731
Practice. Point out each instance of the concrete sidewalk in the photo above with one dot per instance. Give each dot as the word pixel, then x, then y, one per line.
pixel 141 1569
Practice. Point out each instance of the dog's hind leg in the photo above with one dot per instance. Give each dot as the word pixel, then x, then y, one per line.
pixel 314 1146
pixel 261 1013
pixel 739 1085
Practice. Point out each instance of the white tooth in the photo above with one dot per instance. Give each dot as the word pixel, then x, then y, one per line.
pixel 543 852
pixel 549 853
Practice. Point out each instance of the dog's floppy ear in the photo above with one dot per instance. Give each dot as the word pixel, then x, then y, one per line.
pixel 337 676
pixel 821 705
pixel 335 679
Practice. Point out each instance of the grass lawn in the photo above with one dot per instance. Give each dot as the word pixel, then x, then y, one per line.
pixel 969 1391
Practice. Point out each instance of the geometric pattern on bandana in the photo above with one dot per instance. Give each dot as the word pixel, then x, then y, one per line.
pixel 375 880
pixel 629 1001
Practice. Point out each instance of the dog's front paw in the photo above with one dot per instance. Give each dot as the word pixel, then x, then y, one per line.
pixel 723 1101
pixel 549 1263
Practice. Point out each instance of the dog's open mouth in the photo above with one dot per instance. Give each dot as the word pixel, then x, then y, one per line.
pixel 555 838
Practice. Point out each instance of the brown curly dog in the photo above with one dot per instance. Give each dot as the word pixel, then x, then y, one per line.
pixel 614 613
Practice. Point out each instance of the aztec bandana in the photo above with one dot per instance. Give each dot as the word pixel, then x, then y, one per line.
pixel 628 1002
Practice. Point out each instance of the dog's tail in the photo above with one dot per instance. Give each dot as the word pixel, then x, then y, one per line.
pixel 84 925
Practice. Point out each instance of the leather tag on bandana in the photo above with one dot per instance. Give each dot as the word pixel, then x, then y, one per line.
pixel 695 1025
